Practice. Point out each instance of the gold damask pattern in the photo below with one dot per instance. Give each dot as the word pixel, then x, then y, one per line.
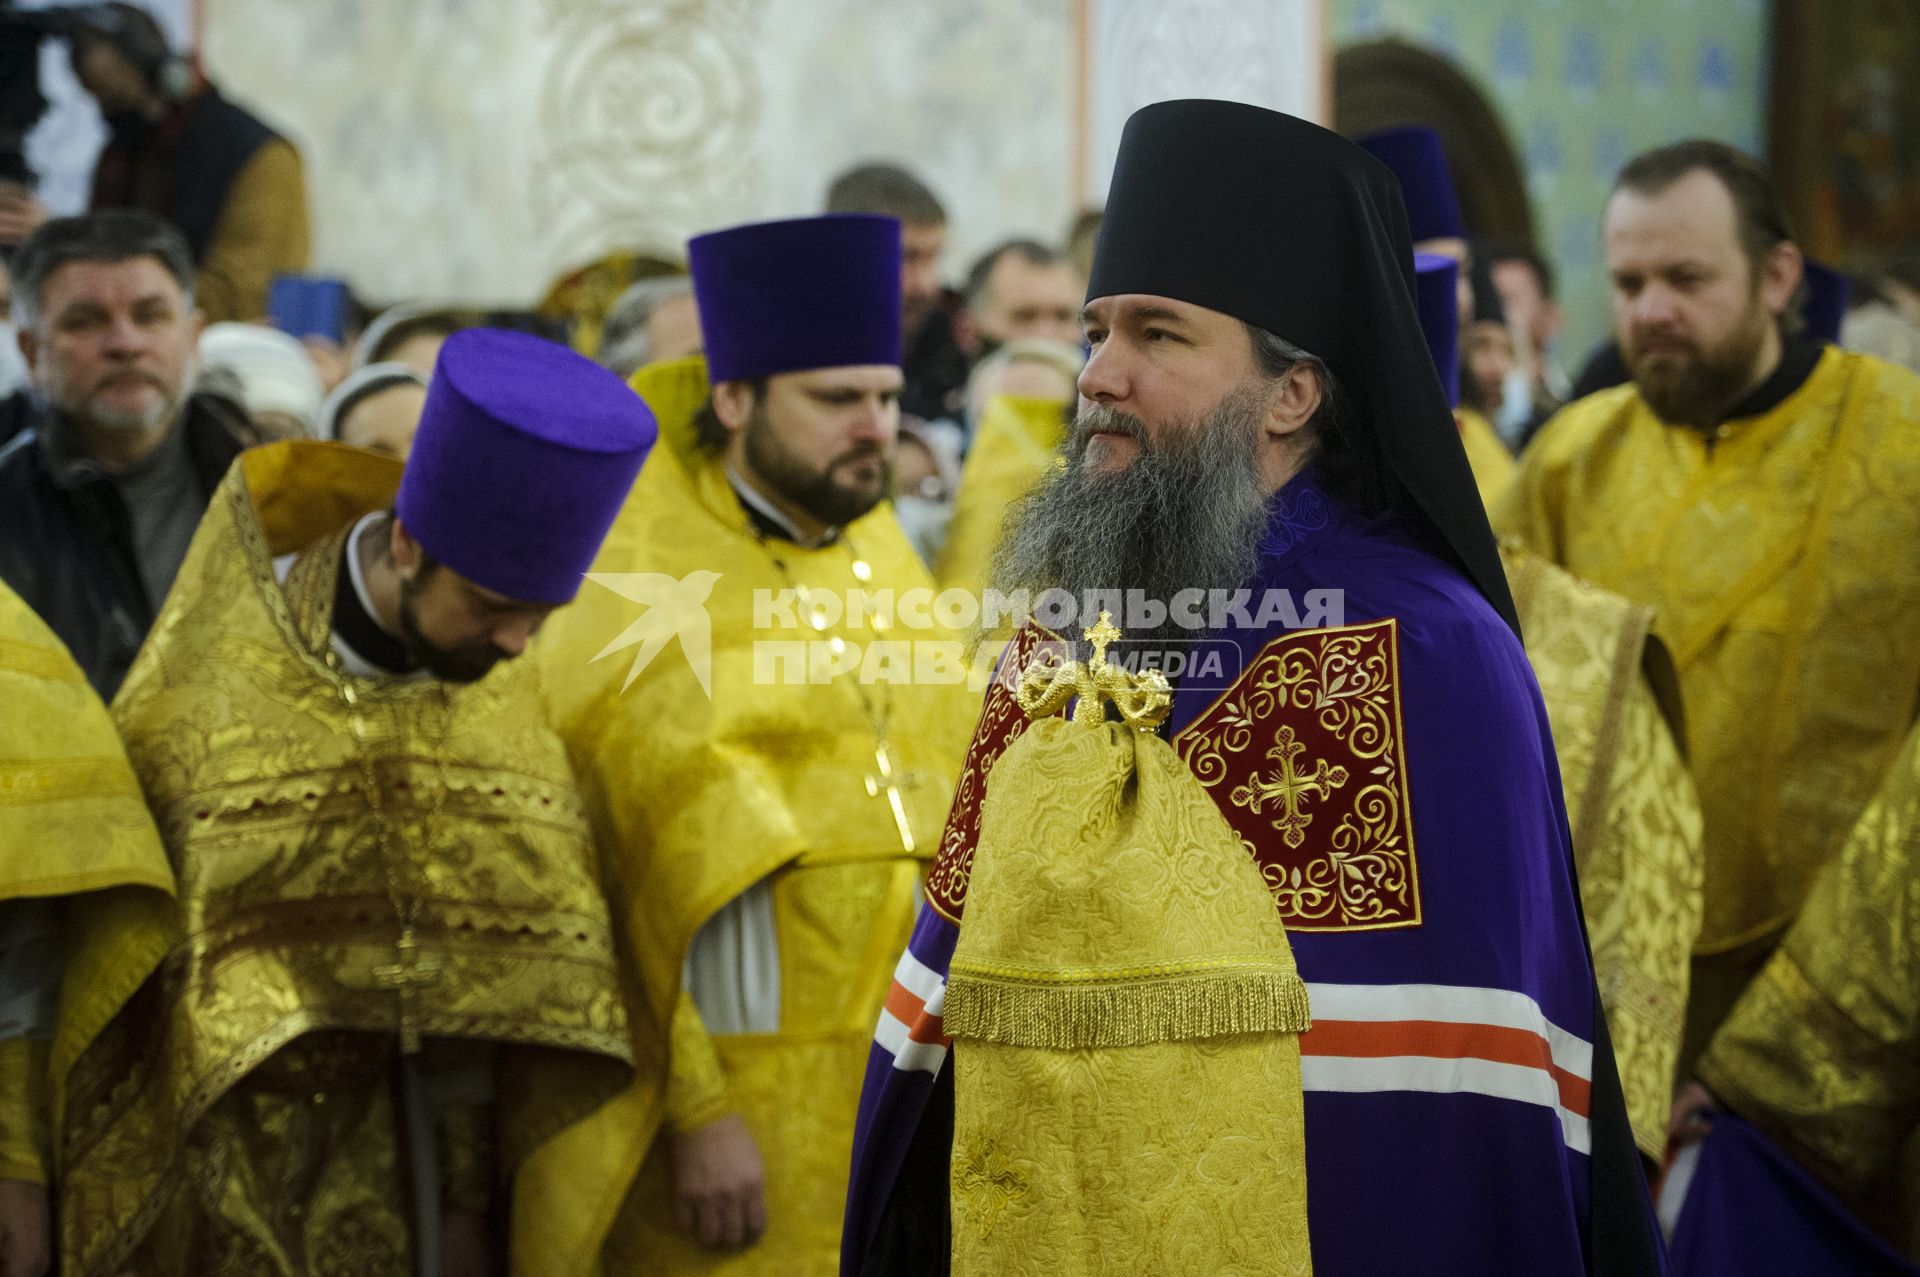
pixel 72 818
pixel 1147 1115
pixel 1823 1049
pixel 706 794
pixel 1634 816
pixel 1013 444
pixel 1306 756
pixel 1775 556
pixel 239 731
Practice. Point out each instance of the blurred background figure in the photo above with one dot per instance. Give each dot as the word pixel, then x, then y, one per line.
pixel 268 373
pixel 377 408
pixel 1023 290
pixel 936 364
pixel 411 333
pixel 101 495
pixel 176 148
pixel 1886 320
pixel 1525 282
pixel 652 321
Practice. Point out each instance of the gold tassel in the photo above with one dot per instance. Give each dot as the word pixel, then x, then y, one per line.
pixel 1078 1015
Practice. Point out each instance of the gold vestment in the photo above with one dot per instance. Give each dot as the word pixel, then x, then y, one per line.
pixel 73 825
pixel 1775 552
pixel 236 1112
pixel 1823 1049
pixel 706 793
pixel 1633 813
pixel 1487 456
pixel 1014 443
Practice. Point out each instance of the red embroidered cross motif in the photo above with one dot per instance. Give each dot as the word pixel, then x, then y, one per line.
pixel 1306 757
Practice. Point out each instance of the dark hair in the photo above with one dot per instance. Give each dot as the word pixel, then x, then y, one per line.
pixel 710 434
pixel 434 323
pixel 1347 465
pixel 1760 217
pixel 1531 258
pixel 116 235
pixel 127 29
pixel 888 189
pixel 1033 252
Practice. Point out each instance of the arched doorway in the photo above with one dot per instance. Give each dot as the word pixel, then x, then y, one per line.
pixel 1381 83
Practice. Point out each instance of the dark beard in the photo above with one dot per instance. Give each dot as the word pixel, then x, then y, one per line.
pixel 1184 514
pixel 467 663
pixel 815 491
pixel 1698 387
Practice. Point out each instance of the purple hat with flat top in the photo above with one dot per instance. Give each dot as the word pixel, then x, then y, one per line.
pixel 1436 294
pixel 809 292
pixel 1416 157
pixel 525 453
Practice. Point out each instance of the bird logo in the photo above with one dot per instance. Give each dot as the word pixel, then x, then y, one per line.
pixel 674 608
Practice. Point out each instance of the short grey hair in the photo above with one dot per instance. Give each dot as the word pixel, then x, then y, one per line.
pixel 1278 357
pixel 1344 449
pixel 114 235
pixel 624 345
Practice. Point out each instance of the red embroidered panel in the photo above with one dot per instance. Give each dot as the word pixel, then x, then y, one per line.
pixel 1305 756
pixel 1001 723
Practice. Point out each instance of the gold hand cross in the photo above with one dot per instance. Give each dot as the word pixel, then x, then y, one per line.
pixel 406 977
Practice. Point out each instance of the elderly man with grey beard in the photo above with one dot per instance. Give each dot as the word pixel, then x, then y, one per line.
pixel 99 499
pixel 1260 420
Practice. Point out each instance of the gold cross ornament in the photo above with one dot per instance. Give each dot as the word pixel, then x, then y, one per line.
pixel 406 977
pixel 885 782
pixel 1143 700
pixel 1290 787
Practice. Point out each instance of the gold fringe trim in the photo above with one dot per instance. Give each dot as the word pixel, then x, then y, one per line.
pixel 1079 1016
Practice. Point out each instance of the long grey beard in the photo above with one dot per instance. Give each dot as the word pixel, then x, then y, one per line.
pixel 1187 514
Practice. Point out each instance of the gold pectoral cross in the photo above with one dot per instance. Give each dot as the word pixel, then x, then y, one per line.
pixel 1143 700
pixel 885 782
pixel 406 977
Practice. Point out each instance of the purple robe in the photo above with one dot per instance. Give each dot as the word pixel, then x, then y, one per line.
pixel 1456 1108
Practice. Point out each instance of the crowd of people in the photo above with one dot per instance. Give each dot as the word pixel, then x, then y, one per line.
pixel 490 791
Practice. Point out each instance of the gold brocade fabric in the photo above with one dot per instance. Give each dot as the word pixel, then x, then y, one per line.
pixel 233 1108
pixel 1634 816
pixel 1013 445
pixel 73 823
pixel 1492 465
pixel 1823 1050
pixel 1126 1071
pixel 72 817
pixel 1776 557
pixel 707 792
pixel 841 929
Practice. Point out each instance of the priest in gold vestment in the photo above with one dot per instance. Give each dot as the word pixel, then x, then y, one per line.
pixel 389 989
pixel 763 750
pixel 1762 495
pixel 76 840
pixel 1823 1050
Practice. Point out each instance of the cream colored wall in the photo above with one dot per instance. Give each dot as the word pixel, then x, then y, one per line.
pixel 477 148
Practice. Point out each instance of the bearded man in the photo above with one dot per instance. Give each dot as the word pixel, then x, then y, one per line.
pixel 1261 428
pixel 99 499
pixel 1761 493
pixel 772 820
pixel 386 989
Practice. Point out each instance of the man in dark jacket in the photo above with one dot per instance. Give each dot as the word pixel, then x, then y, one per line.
pixel 176 148
pixel 99 499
